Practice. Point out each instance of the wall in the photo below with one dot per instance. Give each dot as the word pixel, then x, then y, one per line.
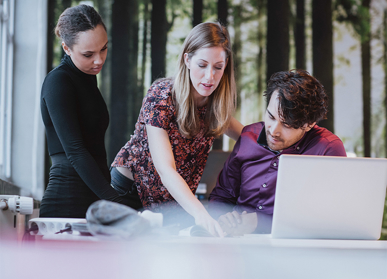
pixel 27 159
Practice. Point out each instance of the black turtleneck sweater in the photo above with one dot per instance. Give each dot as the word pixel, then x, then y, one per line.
pixel 76 118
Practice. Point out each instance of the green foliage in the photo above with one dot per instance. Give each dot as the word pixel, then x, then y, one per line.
pixel 210 10
pixel 355 14
pixel 342 59
pixel 173 11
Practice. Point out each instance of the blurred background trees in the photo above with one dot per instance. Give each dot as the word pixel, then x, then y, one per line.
pixel 341 42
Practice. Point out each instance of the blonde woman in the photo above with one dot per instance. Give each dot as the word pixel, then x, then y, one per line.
pixel 178 122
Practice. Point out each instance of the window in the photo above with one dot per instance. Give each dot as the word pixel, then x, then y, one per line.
pixel 7 8
pixel 23 27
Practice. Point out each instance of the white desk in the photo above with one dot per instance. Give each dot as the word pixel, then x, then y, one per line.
pixel 188 257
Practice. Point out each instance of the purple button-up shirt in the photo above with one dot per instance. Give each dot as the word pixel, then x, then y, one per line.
pixel 249 176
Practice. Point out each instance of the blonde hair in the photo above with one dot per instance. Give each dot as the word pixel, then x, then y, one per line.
pixel 221 103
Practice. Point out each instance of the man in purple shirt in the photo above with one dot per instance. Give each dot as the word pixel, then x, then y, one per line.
pixel 296 101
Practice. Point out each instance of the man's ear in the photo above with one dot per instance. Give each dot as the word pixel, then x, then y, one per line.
pixel 186 60
pixel 308 127
pixel 66 48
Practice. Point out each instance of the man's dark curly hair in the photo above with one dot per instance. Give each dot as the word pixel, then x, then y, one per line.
pixel 302 98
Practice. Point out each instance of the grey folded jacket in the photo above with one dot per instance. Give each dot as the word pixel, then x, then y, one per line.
pixel 106 219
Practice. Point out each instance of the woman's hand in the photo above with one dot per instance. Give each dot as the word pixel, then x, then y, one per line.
pixel 205 220
pixel 164 161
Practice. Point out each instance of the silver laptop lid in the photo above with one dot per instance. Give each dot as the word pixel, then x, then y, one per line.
pixel 327 197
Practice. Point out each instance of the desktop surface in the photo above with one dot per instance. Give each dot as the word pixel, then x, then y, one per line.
pixel 250 256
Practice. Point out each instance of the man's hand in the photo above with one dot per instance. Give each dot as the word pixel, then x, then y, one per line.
pixel 233 223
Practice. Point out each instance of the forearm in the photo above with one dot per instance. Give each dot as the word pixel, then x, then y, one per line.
pixel 234 129
pixel 180 191
pixel 164 162
pixel 89 171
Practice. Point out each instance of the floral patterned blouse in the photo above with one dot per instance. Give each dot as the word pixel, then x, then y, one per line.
pixel 190 155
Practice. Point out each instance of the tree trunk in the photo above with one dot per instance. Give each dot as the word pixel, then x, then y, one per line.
pixel 135 96
pixel 223 12
pixel 222 18
pixel 104 84
pixel 159 30
pixel 299 35
pixel 261 5
pixel 237 48
pixel 124 88
pixel 277 46
pixel 144 46
pixel 323 53
pixel 104 78
pixel 366 78
pixel 65 4
pixel 51 20
pixel 261 70
pixel 197 12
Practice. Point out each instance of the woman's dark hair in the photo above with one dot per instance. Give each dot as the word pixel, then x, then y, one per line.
pixel 74 20
pixel 302 98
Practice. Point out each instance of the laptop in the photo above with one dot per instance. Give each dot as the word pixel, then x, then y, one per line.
pixel 325 197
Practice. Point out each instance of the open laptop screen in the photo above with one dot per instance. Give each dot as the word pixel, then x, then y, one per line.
pixel 325 197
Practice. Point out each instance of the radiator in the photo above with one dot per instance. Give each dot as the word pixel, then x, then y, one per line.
pixel 15 211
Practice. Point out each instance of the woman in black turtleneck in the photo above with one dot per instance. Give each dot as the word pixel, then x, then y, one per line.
pixel 76 118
